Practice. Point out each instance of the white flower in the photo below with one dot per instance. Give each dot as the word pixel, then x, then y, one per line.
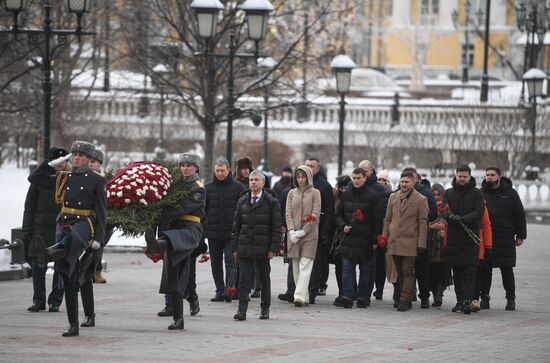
pixel 139 180
pixel 154 182
pixel 143 201
pixel 127 201
pixel 134 184
pixel 119 194
pixel 128 187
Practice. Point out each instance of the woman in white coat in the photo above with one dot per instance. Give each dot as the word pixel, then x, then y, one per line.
pixel 303 208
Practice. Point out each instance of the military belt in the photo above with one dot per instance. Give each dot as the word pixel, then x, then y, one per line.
pixel 78 212
pixel 190 218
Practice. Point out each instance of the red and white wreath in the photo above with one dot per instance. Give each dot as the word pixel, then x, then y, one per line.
pixel 139 184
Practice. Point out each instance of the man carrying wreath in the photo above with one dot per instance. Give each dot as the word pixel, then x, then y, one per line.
pixel 179 231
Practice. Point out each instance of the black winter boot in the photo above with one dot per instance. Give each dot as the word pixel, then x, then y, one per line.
pixel 71 303
pixel 177 312
pixel 484 303
pixel 511 303
pixel 194 307
pixel 458 307
pixel 467 307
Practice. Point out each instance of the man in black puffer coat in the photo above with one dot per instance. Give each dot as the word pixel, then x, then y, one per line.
pixel 222 194
pixel 509 230
pixel 255 238
pixel 466 207
pixel 356 216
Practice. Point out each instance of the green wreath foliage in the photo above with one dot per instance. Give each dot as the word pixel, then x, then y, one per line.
pixel 132 220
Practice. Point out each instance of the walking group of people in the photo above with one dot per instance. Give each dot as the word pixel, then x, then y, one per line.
pixel 418 232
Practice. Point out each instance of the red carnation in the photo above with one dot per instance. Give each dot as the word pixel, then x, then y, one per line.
pixel 358 215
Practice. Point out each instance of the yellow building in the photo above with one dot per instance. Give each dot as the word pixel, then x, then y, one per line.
pixel 400 35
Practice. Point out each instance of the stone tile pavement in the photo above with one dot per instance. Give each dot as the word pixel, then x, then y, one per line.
pixel 128 330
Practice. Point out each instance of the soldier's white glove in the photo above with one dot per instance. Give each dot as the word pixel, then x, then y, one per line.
pixel 95 245
pixel 60 160
pixel 300 233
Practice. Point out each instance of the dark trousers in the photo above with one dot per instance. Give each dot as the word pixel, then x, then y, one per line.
pixel 87 295
pixel 220 251
pixel 71 299
pixel 191 290
pixel 318 266
pixel 465 281
pixel 422 272
pixel 39 286
pixel 438 278
pixel 483 280
pixel 380 271
pixel 246 266
pixel 290 284
pixel 324 268
pixel 508 279
pixel 339 271
pixel 98 256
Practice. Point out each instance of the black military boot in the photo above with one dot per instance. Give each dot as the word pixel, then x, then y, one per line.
pixel 177 309
pixel 467 307
pixel 71 303
pixel 194 307
pixel 511 303
pixel 87 293
pixel 458 307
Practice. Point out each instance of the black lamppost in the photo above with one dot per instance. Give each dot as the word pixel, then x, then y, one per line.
pixel 267 65
pixel 535 25
pixel 160 71
pixel 342 66
pixel 257 12
pixel 41 39
pixel 484 94
pixel 467 22
pixel 534 78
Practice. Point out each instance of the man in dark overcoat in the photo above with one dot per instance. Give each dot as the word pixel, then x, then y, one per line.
pixel 82 221
pixel 38 228
pixel 509 230
pixel 466 207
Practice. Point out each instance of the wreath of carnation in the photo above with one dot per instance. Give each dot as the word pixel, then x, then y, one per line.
pixel 137 193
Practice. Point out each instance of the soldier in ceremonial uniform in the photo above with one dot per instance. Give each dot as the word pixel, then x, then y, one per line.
pixel 81 222
pixel 180 231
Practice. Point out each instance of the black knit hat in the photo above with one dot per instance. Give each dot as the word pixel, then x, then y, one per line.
pixel 57 152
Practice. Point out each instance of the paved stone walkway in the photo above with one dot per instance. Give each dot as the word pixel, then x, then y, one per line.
pixel 128 330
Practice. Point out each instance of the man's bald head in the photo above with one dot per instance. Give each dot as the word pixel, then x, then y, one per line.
pixel 367 166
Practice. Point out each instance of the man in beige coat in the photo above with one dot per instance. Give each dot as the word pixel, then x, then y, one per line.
pixel 405 228
pixel 303 208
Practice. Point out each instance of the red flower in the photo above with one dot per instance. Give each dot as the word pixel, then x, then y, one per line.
pixel 232 291
pixel 204 258
pixel 308 219
pixel 358 215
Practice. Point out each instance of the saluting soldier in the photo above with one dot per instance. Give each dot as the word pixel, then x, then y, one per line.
pixel 180 231
pixel 81 222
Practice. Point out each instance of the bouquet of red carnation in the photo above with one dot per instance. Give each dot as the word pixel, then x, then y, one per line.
pixel 308 219
pixel 139 184
pixel 449 216
pixel 339 236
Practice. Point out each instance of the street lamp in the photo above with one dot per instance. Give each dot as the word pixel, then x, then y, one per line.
pixel 468 20
pixel 160 71
pixel 534 78
pixel 41 39
pixel 342 65
pixel 535 24
pixel 266 65
pixel 257 12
